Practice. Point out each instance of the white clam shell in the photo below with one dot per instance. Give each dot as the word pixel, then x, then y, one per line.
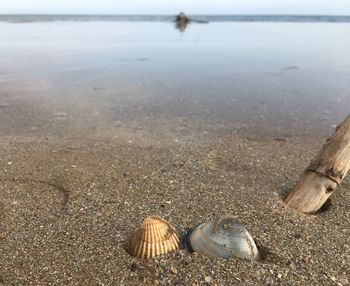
pixel 224 239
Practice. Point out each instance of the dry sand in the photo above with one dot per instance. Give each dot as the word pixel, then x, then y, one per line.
pixel 73 187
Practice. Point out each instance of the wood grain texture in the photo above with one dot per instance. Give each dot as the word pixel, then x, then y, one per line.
pixel 324 174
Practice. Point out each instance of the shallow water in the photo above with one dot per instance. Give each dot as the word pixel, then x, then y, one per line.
pixel 276 79
pixel 105 123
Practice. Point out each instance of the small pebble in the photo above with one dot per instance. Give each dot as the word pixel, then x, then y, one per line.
pixel 173 270
pixel 344 281
pixel 208 279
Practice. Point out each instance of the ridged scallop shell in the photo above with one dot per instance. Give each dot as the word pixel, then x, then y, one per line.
pixel 154 237
pixel 224 239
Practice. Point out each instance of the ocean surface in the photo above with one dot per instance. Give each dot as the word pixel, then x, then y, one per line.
pixel 168 18
pixel 265 75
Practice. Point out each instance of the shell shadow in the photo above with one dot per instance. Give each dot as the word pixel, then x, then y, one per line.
pixel 264 252
pixel 185 240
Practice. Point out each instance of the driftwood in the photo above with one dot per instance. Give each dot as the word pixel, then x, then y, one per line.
pixel 181 22
pixel 182 18
pixel 324 174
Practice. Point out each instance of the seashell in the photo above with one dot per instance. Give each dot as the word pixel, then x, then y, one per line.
pixel 154 237
pixel 224 239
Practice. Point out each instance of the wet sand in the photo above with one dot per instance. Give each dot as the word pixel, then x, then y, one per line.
pixel 85 160
pixel 73 187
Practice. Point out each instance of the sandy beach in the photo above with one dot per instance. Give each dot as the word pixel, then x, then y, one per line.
pixel 85 159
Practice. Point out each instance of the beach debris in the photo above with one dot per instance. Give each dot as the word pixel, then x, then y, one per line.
pixel 4 105
pixel 343 281
pixel 290 68
pixel 281 139
pixel 181 22
pixel 223 238
pixel 154 237
pixel 182 17
pixel 61 115
pixel 324 174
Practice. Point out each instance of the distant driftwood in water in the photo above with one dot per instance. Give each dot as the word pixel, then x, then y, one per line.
pixel 324 174
pixel 182 20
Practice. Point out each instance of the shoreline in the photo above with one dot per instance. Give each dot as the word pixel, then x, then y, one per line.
pixel 100 130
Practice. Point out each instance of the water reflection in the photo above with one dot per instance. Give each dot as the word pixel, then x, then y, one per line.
pixel 181 22
pixel 181 26
pixel 253 75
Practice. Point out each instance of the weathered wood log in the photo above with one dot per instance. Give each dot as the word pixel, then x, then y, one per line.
pixel 324 174
pixel 182 17
pixel 181 21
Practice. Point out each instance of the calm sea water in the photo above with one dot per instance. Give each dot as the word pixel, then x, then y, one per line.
pixel 167 18
pixel 288 76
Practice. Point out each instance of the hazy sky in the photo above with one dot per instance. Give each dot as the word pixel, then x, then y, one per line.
pixel 327 7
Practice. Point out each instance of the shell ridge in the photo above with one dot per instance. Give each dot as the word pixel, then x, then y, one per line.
pixel 154 237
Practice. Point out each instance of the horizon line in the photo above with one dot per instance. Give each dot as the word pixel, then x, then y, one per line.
pixel 166 14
